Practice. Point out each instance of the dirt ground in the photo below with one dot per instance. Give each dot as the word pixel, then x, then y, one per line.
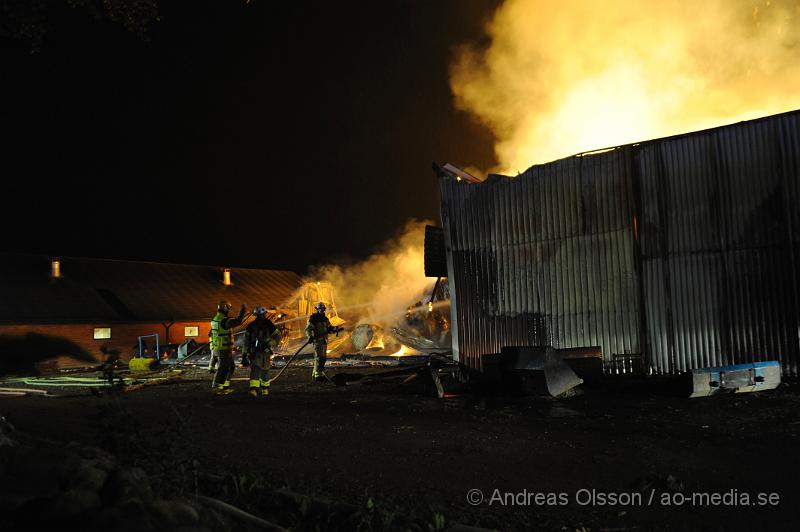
pixel 604 459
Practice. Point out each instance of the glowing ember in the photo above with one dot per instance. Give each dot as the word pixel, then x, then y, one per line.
pixel 376 344
pixel 402 351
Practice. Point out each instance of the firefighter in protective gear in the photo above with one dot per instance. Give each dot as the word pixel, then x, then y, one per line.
pixel 224 307
pixel 260 338
pixel 317 331
pixel 222 345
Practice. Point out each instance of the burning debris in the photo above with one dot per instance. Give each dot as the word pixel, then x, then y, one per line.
pixel 426 327
pixel 423 328
pixel 373 339
pixel 385 304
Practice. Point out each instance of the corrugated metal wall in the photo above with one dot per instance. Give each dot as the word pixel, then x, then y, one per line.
pixel 545 258
pixel 719 245
pixel 683 249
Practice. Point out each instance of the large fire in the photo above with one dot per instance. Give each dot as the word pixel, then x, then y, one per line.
pixel 382 302
pixel 379 289
pixel 566 77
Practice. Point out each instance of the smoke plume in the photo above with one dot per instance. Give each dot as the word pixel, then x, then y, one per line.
pixel 381 288
pixel 559 78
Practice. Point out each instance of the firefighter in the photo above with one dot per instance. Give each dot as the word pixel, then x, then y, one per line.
pixel 222 346
pixel 260 338
pixel 317 331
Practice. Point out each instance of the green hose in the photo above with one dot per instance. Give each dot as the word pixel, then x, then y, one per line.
pixel 32 382
pixel 78 381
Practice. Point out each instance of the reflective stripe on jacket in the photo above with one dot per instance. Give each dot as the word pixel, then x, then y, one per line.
pixel 221 338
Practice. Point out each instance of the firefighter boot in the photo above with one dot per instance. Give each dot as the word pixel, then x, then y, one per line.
pixel 223 389
pixel 318 374
pixel 255 388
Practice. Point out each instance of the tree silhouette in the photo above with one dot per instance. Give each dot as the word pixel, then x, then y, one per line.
pixel 30 20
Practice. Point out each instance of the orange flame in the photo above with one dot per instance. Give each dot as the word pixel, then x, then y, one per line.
pixel 401 352
pixel 581 76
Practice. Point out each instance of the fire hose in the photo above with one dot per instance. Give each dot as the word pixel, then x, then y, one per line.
pixel 338 330
pixel 289 361
pixel 249 314
pixel 285 365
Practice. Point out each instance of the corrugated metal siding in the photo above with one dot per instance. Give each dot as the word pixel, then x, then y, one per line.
pixel 700 231
pixel 544 258
pixel 719 265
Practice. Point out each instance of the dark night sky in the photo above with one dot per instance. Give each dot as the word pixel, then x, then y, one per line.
pixel 302 133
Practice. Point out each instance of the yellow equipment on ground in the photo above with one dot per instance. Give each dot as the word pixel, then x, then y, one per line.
pixel 141 363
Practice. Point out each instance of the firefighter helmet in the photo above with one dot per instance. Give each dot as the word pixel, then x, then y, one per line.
pixel 320 307
pixel 259 311
pixel 224 306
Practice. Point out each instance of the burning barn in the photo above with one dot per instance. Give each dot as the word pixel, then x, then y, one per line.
pixel 668 255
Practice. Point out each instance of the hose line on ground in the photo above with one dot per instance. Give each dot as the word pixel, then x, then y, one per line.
pixel 289 362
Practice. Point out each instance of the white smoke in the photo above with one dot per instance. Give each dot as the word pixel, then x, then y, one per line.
pixel 381 288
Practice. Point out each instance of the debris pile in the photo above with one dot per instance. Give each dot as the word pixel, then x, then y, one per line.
pixel 85 488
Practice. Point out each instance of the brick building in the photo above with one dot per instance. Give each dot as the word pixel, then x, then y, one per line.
pixel 98 302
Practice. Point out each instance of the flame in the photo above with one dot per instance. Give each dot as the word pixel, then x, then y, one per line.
pixel 401 352
pixel 380 288
pixel 376 343
pixel 430 306
pixel 589 75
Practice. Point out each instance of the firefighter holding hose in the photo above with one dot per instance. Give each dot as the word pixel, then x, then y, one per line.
pixel 317 331
pixel 222 346
pixel 260 338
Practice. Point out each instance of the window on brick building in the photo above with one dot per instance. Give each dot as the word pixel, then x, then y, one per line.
pixel 102 333
pixel 191 331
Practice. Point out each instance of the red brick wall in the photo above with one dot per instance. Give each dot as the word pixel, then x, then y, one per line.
pixel 123 336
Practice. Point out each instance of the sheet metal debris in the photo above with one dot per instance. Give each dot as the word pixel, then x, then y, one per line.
pixel 738 378
pixel 541 371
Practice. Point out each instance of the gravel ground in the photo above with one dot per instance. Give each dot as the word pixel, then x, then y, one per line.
pixel 606 458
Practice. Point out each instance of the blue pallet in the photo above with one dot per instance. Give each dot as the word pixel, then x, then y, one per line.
pixel 736 378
